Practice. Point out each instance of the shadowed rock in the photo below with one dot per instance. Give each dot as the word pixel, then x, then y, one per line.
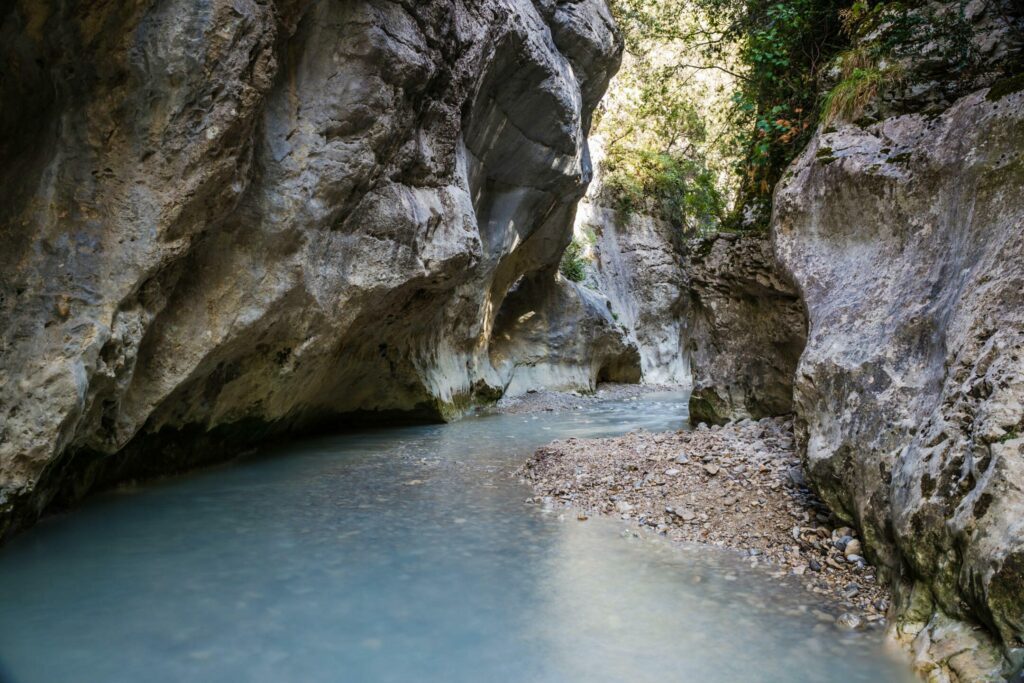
pixel 746 330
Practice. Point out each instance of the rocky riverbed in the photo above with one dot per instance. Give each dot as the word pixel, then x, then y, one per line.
pixel 740 486
pixel 560 401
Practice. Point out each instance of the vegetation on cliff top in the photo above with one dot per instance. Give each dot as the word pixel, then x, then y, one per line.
pixel 722 95
pixel 716 97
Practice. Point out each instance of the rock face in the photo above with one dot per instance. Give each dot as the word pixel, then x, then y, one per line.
pixel 746 330
pixel 560 335
pixel 637 265
pixel 236 217
pixel 906 239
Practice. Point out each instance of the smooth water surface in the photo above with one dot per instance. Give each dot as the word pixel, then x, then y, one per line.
pixel 405 554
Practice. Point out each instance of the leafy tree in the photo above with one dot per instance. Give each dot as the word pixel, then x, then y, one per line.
pixel 768 56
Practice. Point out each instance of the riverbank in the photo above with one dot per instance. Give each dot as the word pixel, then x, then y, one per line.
pixel 739 486
pixel 558 401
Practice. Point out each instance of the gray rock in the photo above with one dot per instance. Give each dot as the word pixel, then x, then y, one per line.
pixel 746 329
pixel 236 218
pixel 637 264
pixel 907 243
pixel 795 475
pixel 849 620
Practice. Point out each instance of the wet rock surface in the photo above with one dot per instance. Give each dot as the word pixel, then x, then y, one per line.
pixel 746 328
pixel 740 486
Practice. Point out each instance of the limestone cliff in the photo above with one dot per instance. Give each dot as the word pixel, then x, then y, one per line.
pixel 637 265
pixel 233 218
pixel 745 329
pixel 560 335
pixel 633 276
pixel 906 239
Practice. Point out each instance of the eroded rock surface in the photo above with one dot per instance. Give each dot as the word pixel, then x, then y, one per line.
pixel 746 329
pixel 637 265
pixel 560 335
pixel 236 217
pixel 906 239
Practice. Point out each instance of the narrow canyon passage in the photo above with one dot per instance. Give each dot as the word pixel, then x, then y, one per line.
pixel 399 555
pixel 784 238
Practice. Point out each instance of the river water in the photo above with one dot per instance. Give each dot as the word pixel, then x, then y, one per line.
pixel 404 554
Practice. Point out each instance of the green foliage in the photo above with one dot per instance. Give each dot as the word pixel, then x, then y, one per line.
pixel 663 126
pixel 711 161
pixel 847 100
pixel 573 264
pixel 673 187
pixel 785 45
pixel 892 40
pixel 1004 87
pixel 1008 436
pixel 896 30
pixel 773 52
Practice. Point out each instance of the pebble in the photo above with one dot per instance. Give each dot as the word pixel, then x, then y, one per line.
pixel 712 487
pixel 849 620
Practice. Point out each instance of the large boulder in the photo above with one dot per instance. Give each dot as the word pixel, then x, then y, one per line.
pixel 906 239
pixel 227 219
pixel 745 329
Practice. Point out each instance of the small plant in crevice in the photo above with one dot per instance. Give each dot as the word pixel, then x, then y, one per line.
pixel 573 264
pixel 896 44
pixel 849 98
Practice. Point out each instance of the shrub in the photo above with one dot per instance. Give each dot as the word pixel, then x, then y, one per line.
pixel 675 188
pixel 573 263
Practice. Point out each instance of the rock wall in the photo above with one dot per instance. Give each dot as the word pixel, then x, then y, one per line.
pixel 560 335
pixel 637 265
pixel 746 328
pixel 228 219
pixel 906 239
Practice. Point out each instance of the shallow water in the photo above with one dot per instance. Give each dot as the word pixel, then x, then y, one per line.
pixel 399 555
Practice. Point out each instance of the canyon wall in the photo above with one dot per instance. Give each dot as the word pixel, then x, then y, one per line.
pixel 637 264
pixel 906 239
pixel 230 219
pixel 746 328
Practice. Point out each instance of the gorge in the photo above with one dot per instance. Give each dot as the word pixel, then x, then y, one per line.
pixel 232 225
